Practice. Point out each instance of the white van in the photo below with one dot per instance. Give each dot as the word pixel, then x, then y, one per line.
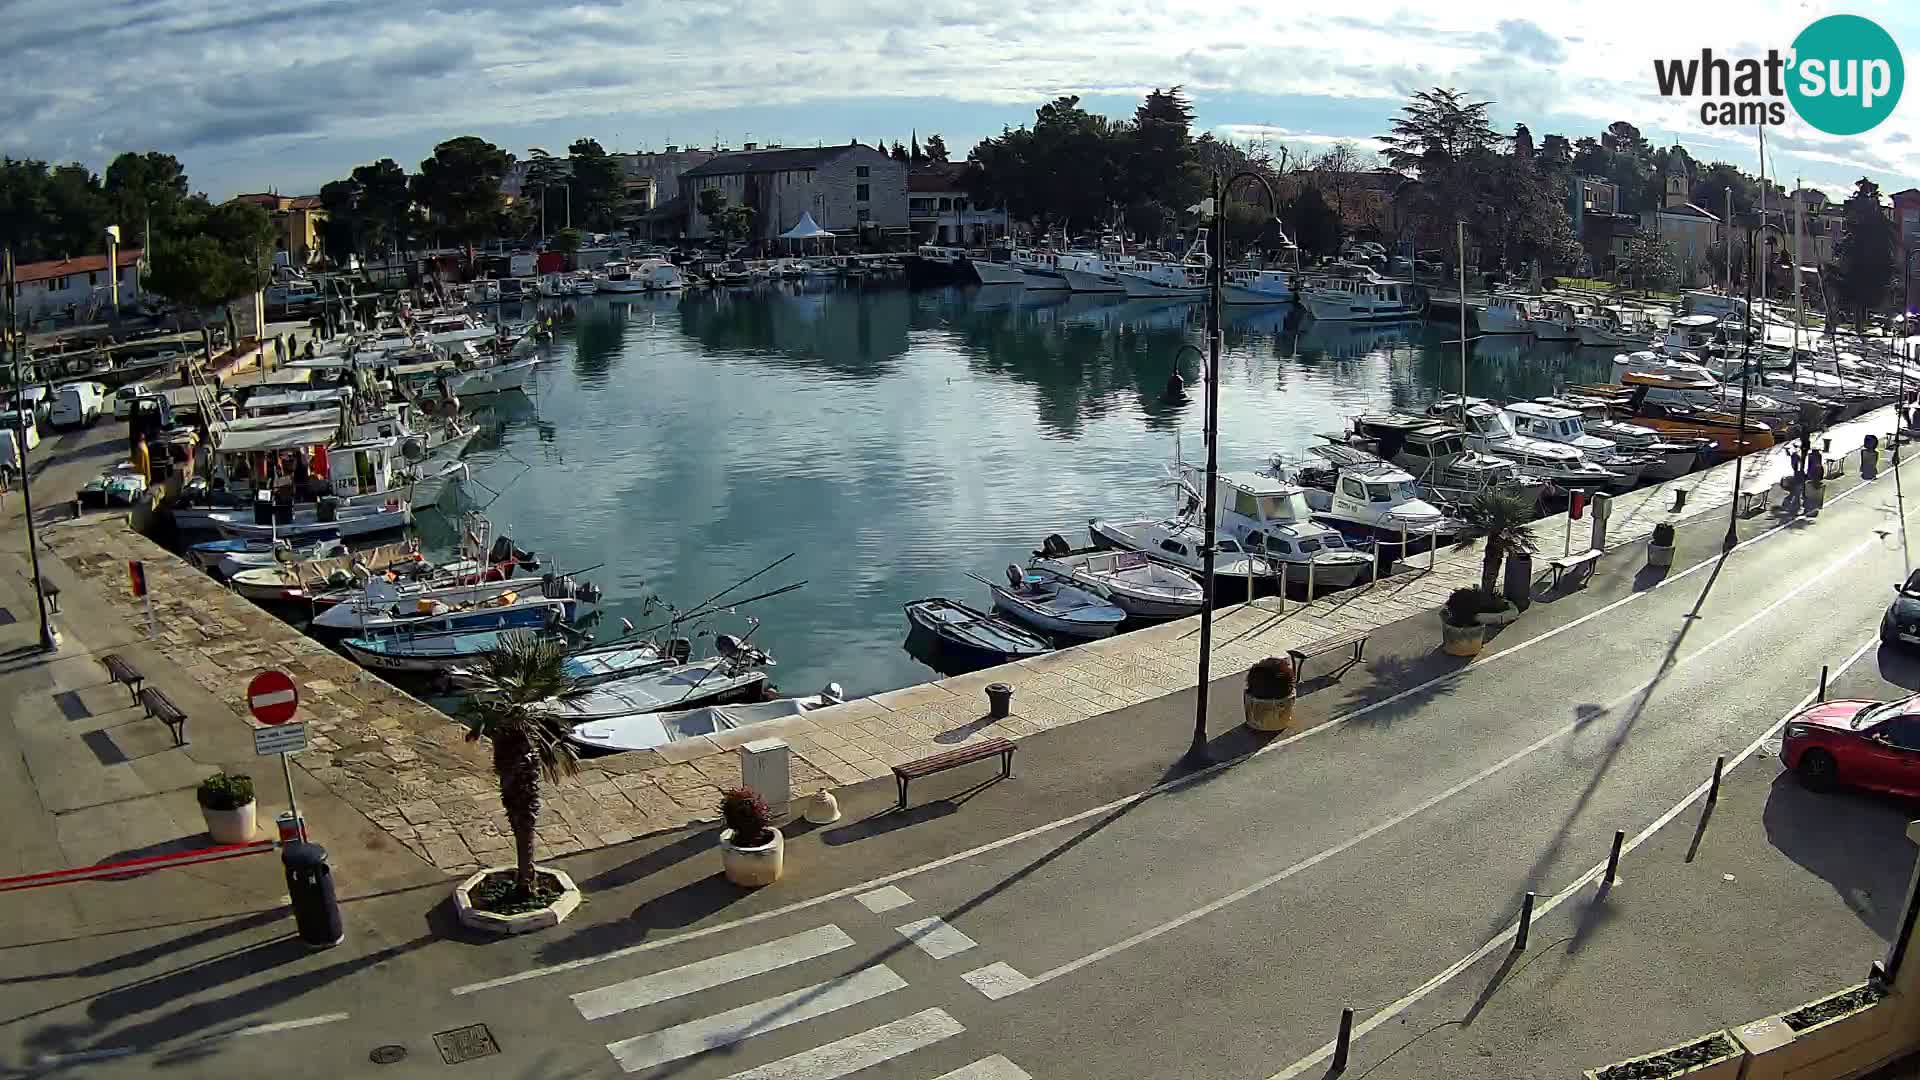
pixel 124 398
pixel 77 405
pixel 16 426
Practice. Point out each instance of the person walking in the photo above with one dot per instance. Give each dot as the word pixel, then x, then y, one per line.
pixel 1816 483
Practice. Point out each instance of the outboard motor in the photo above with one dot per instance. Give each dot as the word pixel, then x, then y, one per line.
pixel 832 693
pixel 1055 546
pixel 680 650
pixel 501 551
pixel 526 560
pixel 1015 578
pixel 339 579
pixel 727 645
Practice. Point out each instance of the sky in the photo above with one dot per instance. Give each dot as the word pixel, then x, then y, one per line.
pixel 276 95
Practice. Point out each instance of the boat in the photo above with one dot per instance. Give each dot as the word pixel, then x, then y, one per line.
pixel 464 584
pixel 1676 457
pixel 1557 320
pixel 1163 278
pixel 299 580
pixel 1129 580
pixel 1613 327
pixel 933 265
pixel 1436 453
pixel 646 731
pixel 430 654
pixel 1046 603
pixel 618 277
pixel 737 673
pixel 1176 542
pixel 424 614
pixel 494 378
pixel 614 660
pixel 1094 273
pixel 1039 270
pixel 1490 431
pixel 1357 294
pixel 345 522
pixel 208 554
pixel 972 635
pixel 1252 287
pixel 1270 515
pixel 1553 423
pixel 1504 314
pixel 327 547
pixel 1721 428
pixel 453 329
pixel 988 272
pixel 1363 496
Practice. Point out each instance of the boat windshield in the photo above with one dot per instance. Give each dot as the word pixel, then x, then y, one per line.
pixel 1496 424
pixel 1397 491
pixel 1290 506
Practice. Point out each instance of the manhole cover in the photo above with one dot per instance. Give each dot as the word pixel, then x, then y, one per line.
pixel 387 1055
pixel 465 1044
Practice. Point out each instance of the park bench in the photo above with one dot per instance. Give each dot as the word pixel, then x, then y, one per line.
pixel 1750 503
pixel 118 670
pixel 1574 564
pixel 161 708
pixel 1354 639
pixel 953 759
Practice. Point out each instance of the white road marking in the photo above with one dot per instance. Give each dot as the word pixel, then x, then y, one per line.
pixel 856 1052
pixel 282 1025
pixel 1540 911
pixel 1437 798
pixel 734 1025
pixel 706 974
pixel 1163 787
pixel 997 980
pixel 987 1068
pixel 936 937
pixel 80 1057
pixel 886 899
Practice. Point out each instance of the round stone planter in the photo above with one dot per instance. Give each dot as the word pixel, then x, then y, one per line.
pixel 1502 617
pixel 538 919
pixel 230 826
pixel 1461 640
pixel 1268 714
pixel 1658 556
pixel 752 867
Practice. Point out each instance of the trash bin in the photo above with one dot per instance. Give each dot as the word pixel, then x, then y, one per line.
pixel 316 913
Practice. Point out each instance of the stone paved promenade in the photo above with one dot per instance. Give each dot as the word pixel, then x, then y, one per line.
pixel 407 767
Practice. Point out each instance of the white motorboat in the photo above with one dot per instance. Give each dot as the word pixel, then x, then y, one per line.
pixel 988 272
pixel 277 552
pixel 647 731
pixel 1490 431
pixel 1177 541
pixel 1244 286
pixel 1044 602
pixel 371 604
pixel 1675 457
pixel 1040 270
pixel 1129 580
pixel 494 378
pixel 351 619
pixel 1504 314
pixel 1088 272
pixel 1647 362
pixel 1557 320
pixel 430 654
pixel 453 329
pixel 1375 499
pixel 345 522
pixel 300 580
pixel 736 674
pixel 1614 327
pixel 1553 423
pixel 1436 453
pixel 1151 280
pixel 1361 297
pixel 618 277
pixel 1271 515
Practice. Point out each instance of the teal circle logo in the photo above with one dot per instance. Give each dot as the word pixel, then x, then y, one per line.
pixel 1846 74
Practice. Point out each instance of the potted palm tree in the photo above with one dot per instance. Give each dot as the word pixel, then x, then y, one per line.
pixel 226 803
pixel 1501 519
pixel 1461 633
pixel 511 681
pixel 752 851
pixel 1270 694
pixel 1660 546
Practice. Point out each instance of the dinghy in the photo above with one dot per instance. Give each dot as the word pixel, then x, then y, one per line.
pixel 427 654
pixel 342 521
pixel 1127 579
pixel 210 555
pixel 1047 603
pixel 975 635
pixel 411 616
pixel 301 580
pixel 646 731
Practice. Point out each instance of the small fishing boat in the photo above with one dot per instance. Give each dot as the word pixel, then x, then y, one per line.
pixel 1127 579
pixel 537 615
pixel 458 585
pixel 256 551
pixel 1176 542
pixel 974 635
pixel 344 522
pixel 646 731
pixel 616 660
pixel 1363 496
pixel 298 581
pixel 736 674
pixel 1566 426
pixel 1046 603
pixel 1272 515
pixel 427 654
pixel 409 614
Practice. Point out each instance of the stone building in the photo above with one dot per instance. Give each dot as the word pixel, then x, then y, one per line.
pixel 942 213
pixel 853 190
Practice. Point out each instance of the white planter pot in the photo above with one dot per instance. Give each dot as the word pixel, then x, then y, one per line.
pixel 752 867
pixel 1462 640
pixel 1268 714
pixel 230 826
pixel 1659 556
pixel 553 914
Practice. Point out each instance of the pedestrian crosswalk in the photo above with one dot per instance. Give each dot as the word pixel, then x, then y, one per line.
pixel 665 1004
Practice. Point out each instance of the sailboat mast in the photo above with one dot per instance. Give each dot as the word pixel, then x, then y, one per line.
pixel 1799 307
pixel 1460 240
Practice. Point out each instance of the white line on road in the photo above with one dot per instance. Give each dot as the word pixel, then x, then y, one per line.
pixel 886 899
pixel 735 1025
pixel 1163 787
pixel 281 1025
pixel 997 980
pixel 856 1052
pixel 1541 911
pixel 987 1068
pixel 1437 798
pixel 936 937
pixel 707 974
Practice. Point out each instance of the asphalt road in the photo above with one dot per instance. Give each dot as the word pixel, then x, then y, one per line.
pixel 1211 926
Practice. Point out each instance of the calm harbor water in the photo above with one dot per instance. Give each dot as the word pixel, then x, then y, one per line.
pixel 898 441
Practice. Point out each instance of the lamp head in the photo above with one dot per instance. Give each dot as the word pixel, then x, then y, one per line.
pixel 113 233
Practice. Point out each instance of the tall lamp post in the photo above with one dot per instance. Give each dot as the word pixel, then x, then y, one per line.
pixel 113 267
pixel 49 641
pixel 1197 755
pixel 1755 224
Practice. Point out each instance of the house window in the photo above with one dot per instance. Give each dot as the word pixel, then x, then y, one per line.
pixel 921 206
pixel 58 284
pixel 864 215
pixel 862 171
pixel 860 193
pixel 93 278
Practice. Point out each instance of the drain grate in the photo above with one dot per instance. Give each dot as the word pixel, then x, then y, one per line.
pixel 465 1044
pixel 387 1055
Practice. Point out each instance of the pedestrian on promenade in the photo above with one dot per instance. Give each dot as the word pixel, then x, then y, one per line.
pixel 1795 480
pixel 1870 458
pixel 1816 483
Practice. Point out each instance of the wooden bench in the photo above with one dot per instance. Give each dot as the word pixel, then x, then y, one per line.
pixel 1357 639
pixel 118 670
pixel 1566 564
pixel 1751 502
pixel 161 708
pixel 953 759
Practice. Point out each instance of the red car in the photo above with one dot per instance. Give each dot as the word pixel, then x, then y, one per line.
pixel 1863 744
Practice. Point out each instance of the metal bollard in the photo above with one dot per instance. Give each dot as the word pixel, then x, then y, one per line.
pixel 1526 923
pixel 1613 859
pixel 1310 565
pixel 316 912
pixel 1719 764
pixel 1823 683
pixel 1345 1040
pixel 1679 499
pixel 999 701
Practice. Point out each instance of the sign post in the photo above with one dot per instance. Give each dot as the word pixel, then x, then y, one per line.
pixel 137 578
pixel 273 699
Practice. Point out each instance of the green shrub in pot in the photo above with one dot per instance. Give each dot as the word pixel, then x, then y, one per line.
pixel 1271 679
pixel 1663 534
pixel 225 791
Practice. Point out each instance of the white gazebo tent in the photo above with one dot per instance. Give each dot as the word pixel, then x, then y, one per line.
pixel 807 229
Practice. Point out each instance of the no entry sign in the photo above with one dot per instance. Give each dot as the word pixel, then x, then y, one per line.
pixel 272 698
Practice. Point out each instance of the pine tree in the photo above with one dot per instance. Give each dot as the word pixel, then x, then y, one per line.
pixel 1863 260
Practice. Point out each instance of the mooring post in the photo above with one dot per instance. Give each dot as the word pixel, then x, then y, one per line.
pixel 1526 923
pixel 1613 859
pixel 1341 1044
pixel 1719 765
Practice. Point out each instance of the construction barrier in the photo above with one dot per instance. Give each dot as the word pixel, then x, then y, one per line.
pixel 142 865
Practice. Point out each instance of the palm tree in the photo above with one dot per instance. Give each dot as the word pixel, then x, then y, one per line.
pixel 523 672
pixel 1501 518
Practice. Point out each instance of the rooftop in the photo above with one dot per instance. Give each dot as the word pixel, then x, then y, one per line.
pixel 84 264
pixel 772 161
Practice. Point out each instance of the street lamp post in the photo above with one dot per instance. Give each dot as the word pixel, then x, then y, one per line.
pixel 113 267
pixel 1754 226
pixel 1197 754
pixel 49 641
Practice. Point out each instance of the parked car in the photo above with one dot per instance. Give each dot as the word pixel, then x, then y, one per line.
pixel 17 429
pixel 1901 624
pixel 124 398
pixel 77 405
pixel 1856 743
